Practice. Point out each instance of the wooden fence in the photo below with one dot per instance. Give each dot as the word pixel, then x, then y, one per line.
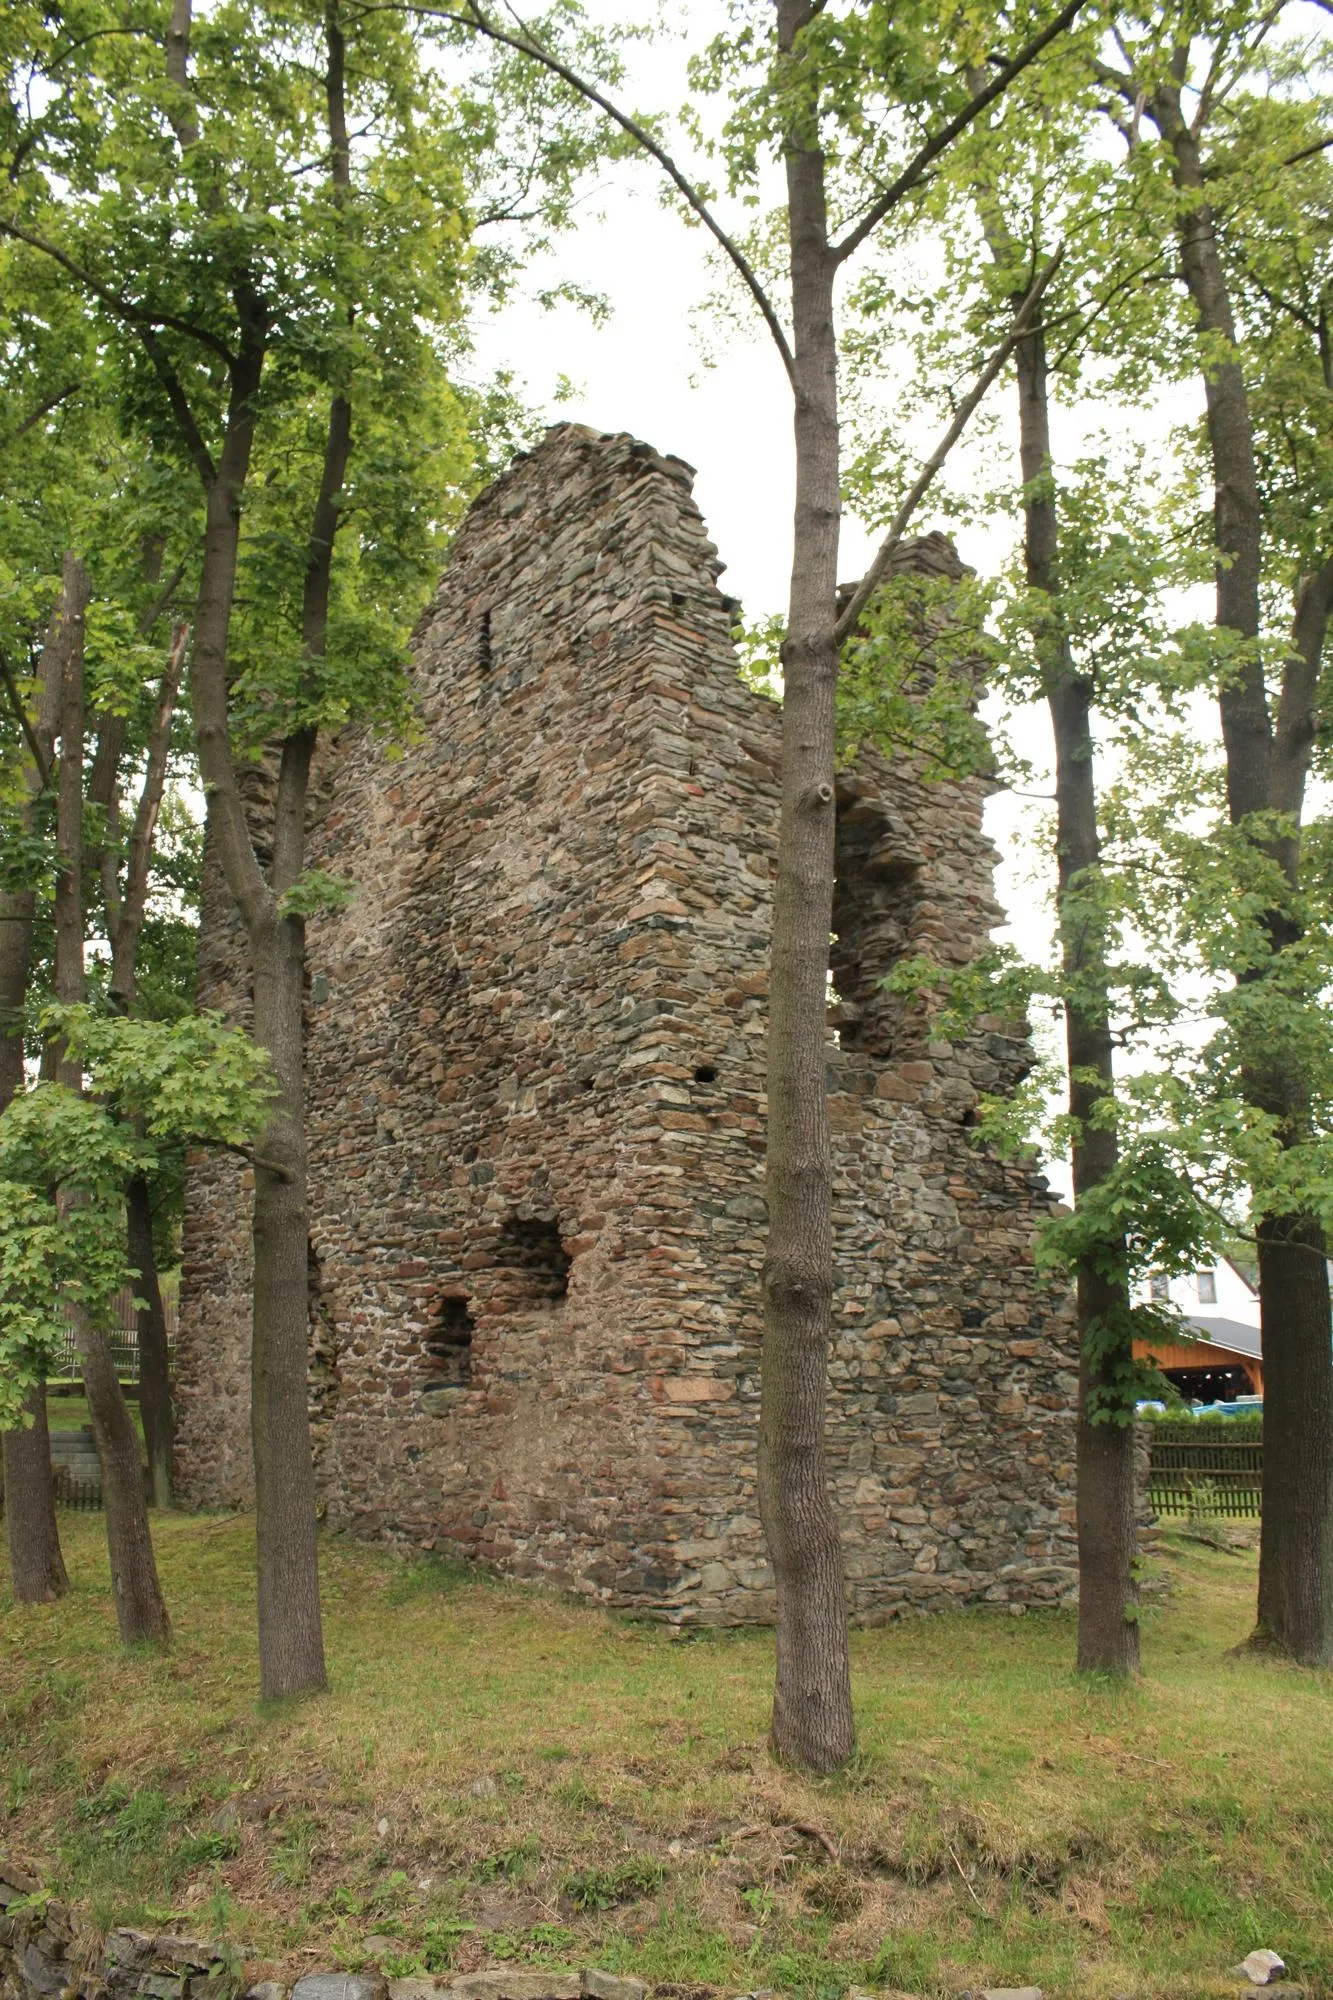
pixel 123 1339
pixel 1201 1468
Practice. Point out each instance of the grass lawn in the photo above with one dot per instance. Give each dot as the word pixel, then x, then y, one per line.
pixel 70 1413
pixel 500 1774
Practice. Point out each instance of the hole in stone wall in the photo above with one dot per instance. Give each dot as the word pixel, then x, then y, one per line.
pixel 323 1383
pixel 875 895
pixel 448 1345
pixel 531 1249
pixel 706 1073
pixel 484 642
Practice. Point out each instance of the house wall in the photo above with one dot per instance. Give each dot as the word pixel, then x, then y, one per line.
pixel 537 1112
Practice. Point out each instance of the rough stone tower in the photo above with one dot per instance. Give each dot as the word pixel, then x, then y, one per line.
pixel 536 1083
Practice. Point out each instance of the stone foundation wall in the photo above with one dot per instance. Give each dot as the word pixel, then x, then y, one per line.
pixel 537 1112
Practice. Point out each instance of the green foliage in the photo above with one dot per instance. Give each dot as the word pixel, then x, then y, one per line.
pixel 315 890
pixel 909 677
pixel 603 1888
pixel 66 1158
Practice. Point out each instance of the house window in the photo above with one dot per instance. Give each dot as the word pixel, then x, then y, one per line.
pixel 1207 1288
pixel 1158 1290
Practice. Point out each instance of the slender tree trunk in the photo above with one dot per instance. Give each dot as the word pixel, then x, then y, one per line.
pixel 37 1566
pixel 159 1426
pixel 812 1709
pixel 1266 772
pixel 125 915
pixel 140 1610
pixel 1108 1633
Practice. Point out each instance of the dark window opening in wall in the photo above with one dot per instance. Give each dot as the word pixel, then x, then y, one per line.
pixel 448 1345
pixel 875 897
pixel 484 642
pixel 706 1073
pixel 531 1249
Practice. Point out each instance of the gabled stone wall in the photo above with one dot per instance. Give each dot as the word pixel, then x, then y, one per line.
pixel 536 1077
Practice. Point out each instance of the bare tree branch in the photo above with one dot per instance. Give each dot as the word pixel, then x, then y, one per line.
pixel 43 409
pixel 1308 152
pixel 1021 325
pixel 180 407
pixel 136 316
pixel 526 44
pixel 944 138
pixel 29 733
pixel 130 913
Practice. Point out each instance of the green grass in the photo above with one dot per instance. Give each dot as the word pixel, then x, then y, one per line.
pixel 498 1774
pixel 70 1413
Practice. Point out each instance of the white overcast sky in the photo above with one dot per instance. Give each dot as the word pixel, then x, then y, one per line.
pixel 645 371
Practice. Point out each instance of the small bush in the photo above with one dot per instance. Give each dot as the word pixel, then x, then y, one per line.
pixel 603 1888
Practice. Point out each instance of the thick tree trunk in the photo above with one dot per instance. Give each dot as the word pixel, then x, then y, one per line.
pixel 1266 772
pixel 1296 1546
pixel 1108 1633
pixel 291 1647
pixel 140 1611
pixel 812 1710
pixel 159 1428
pixel 37 1567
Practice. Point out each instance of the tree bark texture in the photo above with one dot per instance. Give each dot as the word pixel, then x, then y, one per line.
pixel 36 1562
pixel 37 1566
pixel 812 1711
pixel 125 907
pixel 155 1407
pixel 1108 1633
pixel 1267 769
pixel 140 1610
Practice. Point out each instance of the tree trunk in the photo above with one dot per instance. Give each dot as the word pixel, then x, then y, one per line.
pixel 1108 1633
pixel 155 1408
pixel 140 1611
pixel 1296 1545
pixel 291 1644
pixel 37 1566
pixel 1267 773
pixel 812 1708
pixel 291 1647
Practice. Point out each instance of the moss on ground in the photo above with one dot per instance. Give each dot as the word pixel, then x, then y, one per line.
pixel 501 1774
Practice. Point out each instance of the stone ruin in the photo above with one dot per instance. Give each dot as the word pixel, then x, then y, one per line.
pixel 536 1046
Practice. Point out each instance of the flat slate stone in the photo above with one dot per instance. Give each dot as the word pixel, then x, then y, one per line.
pixel 504 1985
pixel 611 1986
pixel 42 1974
pixel 340 1986
pixel 191 1953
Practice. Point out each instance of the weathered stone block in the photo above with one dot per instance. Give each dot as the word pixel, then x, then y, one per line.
pixel 341 1986
pixel 612 1986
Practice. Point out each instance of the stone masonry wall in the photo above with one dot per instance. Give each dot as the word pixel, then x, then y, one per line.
pixel 536 1084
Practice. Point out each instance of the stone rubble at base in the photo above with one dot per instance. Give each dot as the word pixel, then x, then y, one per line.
pixel 536 1087
pixel 49 1951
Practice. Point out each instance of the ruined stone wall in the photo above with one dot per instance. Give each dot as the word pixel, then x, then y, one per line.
pixel 536 1069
